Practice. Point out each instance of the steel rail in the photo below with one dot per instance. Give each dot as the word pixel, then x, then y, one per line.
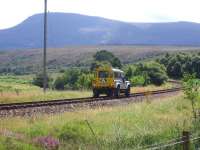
pixel 14 106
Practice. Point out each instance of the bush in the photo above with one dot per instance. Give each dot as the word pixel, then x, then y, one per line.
pixel 62 71
pixel 39 79
pixel 85 81
pixel 74 79
pixel 129 72
pixel 68 80
pixel 157 78
pixel 147 73
pixel 157 73
pixel 71 76
pixel 59 83
pixel 191 90
pixel 137 81
pixel 74 132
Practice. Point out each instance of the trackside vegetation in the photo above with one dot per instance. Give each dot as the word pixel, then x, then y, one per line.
pixel 21 89
pixel 74 79
pixel 191 90
pixel 154 72
pixel 121 127
pixel 179 64
pixel 141 74
pixel 146 73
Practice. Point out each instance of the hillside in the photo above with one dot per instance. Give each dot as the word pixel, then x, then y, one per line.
pixel 74 29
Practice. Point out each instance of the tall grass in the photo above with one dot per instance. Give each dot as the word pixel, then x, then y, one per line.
pixel 121 127
pixel 151 88
pixel 20 89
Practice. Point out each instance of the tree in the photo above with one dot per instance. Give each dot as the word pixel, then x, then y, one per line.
pixel 191 90
pixel 97 64
pixel 129 72
pixel 106 57
pixel 177 70
pixel 103 55
pixel 116 63
pixel 188 67
pixel 178 64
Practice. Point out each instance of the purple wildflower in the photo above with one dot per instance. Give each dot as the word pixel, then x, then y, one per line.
pixel 48 142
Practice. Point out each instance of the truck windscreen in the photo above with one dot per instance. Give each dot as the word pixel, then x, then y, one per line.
pixel 103 74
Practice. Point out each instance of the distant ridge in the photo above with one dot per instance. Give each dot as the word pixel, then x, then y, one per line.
pixel 75 29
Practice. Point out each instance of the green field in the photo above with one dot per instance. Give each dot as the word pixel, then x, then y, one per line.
pixel 19 89
pixel 120 127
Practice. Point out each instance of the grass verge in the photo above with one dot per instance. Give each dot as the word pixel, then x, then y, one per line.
pixel 120 127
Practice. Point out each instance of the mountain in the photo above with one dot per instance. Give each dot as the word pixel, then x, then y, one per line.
pixel 74 29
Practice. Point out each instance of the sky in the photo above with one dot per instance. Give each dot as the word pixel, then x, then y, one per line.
pixel 13 12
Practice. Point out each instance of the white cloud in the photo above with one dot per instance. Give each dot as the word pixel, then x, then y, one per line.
pixel 13 12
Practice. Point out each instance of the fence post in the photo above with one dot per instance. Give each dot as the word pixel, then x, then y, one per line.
pixel 186 140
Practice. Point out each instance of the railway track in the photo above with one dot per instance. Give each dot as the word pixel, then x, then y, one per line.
pixel 39 104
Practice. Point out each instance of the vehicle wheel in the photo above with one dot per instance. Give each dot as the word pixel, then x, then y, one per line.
pixel 117 92
pixel 128 91
pixel 110 93
pixel 95 93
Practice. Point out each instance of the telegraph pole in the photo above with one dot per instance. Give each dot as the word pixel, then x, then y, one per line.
pixel 45 48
